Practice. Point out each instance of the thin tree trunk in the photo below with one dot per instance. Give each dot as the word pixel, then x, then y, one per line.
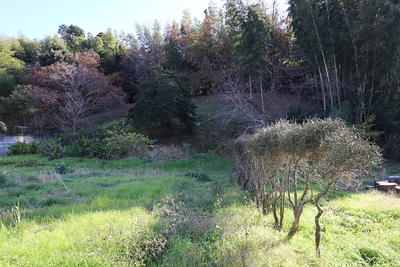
pixel 337 84
pixel 324 61
pixel 282 210
pixel 262 95
pixel 318 229
pixel 358 72
pixel 373 83
pixel 251 97
pixel 322 88
pixel 251 89
pixel 275 213
pixel 297 211
pixel 334 59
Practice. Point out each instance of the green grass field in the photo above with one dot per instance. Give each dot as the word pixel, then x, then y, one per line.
pixel 188 212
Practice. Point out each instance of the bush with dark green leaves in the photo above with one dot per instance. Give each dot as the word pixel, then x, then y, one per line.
pixel 51 148
pixel 61 168
pixel 118 144
pixel 89 148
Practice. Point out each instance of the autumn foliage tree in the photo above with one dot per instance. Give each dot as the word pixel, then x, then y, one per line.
pixel 68 93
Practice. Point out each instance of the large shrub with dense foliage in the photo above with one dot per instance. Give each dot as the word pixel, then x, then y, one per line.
pixel 300 163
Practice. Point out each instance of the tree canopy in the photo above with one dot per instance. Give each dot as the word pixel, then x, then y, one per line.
pixel 162 100
pixel 70 92
pixel 342 56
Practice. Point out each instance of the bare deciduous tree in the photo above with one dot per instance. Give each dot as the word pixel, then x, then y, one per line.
pixel 237 103
pixel 69 93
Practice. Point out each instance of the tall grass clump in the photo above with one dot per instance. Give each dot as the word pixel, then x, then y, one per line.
pixel 236 236
pixel 163 153
pixel 249 240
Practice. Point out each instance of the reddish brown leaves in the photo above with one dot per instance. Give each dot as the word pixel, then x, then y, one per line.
pixel 69 92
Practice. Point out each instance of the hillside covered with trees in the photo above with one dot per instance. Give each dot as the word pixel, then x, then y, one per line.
pixel 333 58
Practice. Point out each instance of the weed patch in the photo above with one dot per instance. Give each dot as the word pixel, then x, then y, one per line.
pixel 3 180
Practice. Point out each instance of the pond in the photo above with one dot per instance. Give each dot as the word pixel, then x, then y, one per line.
pixel 7 140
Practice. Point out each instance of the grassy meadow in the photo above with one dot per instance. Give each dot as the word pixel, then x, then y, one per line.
pixel 183 212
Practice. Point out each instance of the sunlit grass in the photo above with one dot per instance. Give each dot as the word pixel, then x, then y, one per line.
pixel 90 239
pixel 129 213
pixel 239 235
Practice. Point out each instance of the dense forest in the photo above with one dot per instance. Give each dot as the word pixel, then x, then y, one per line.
pixel 343 55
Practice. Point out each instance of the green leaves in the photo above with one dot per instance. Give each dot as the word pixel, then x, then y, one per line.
pixel 12 70
pixel 250 34
pixel 17 105
pixel 3 127
pixel 162 100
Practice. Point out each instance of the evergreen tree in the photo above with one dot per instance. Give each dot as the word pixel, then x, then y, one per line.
pixel 162 100
pixel 173 58
pixel 16 107
pixel 73 37
pixel 250 32
pixel 110 50
pixel 53 50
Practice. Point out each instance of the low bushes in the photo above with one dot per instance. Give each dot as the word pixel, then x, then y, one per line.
pixel 88 148
pixel 23 148
pixel 128 144
pixel 114 141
